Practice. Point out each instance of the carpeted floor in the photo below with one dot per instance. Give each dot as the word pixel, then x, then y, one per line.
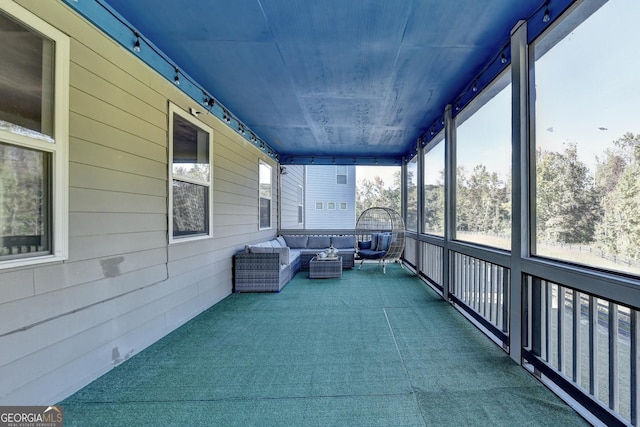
pixel 365 350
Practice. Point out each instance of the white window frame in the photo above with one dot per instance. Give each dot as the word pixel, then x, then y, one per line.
pixel 270 198
pixel 58 148
pixel 321 204
pixel 345 206
pixel 174 109
pixel 331 206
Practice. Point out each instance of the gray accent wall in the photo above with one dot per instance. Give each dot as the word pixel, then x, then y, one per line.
pixel 123 287
pixel 322 187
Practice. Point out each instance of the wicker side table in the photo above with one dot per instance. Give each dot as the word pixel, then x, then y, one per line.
pixel 326 268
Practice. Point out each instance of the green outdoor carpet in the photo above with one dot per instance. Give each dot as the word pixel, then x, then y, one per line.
pixel 365 350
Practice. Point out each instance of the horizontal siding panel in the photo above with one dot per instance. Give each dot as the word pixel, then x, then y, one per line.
pixel 103 157
pixel 89 200
pixel 60 276
pixel 46 306
pixel 223 197
pixel 99 133
pixel 220 185
pixel 15 285
pixel 85 57
pixel 145 303
pixel 111 94
pixel 98 224
pixel 81 248
pixel 85 104
pixel 197 261
pixel 86 176
pixel 246 221
pixel 79 30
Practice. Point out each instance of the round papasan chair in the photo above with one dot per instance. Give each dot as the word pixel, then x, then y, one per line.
pixel 379 235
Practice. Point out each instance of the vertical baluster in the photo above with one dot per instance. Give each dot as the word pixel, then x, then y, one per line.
pixel 478 273
pixel 440 263
pixel 614 395
pixel 487 292
pixel 635 357
pixel 547 319
pixel 506 280
pixel 593 346
pixel 464 278
pixel 474 283
pixel 481 286
pixel 492 300
pixel 577 348
pixel 560 336
pixel 538 302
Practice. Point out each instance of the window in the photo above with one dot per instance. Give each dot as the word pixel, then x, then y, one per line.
pixel 34 105
pixel 319 206
pixel 412 194
pixel 190 172
pixel 341 174
pixel 265 195
pixel 483 179
pixel 433 217
pixel 300 204
pixel 331 206
pixel 343 206
pixel 587 141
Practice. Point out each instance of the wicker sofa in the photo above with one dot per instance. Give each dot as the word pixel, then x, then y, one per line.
pixel 268 266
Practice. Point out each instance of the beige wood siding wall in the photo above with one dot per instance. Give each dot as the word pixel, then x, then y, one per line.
pixel 123 287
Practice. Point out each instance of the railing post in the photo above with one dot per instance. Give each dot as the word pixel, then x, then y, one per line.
pixel 420 207
pixel 520 189
pixel 449 198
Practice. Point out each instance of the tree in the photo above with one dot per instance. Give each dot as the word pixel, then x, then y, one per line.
pixel 618 177
pixel 370 193
pixel 433 212
pixel 482 202
pixel 567 205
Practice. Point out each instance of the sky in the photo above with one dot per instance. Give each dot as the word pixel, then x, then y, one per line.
pixel 587 92
pixel 370 172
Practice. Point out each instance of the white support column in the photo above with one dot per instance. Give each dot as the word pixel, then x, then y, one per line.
pixel 520 184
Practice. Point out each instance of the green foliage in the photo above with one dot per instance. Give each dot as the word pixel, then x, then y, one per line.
pixel 618 187
pixel 22 191
pixel 371 193
pixel 483 202
pixel 567 209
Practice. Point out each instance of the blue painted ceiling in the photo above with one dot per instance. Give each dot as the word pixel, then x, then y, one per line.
pixel 332 78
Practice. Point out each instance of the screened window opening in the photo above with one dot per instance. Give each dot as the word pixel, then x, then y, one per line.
pixel 483 174
pixel 587 141
pixel 412 194
pixel 433 216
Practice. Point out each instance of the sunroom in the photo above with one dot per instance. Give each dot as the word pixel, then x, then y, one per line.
pixel 143 144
